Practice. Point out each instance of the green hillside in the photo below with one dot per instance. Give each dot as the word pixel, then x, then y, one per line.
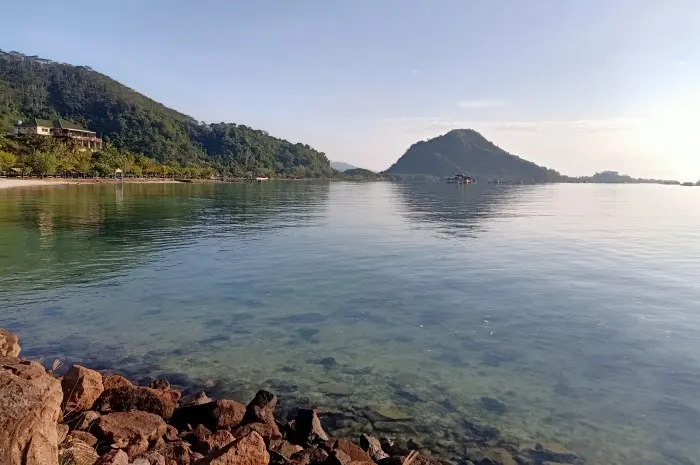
pixel 31 87
pixel 467 151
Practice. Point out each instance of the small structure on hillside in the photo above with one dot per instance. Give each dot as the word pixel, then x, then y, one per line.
pixel 59 128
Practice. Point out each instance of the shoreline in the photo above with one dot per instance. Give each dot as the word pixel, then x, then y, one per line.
pixel 99 417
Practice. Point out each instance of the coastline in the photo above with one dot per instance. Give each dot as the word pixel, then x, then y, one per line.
pixel 7 183
pixel 76 415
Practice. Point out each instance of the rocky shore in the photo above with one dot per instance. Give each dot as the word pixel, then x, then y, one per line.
pixel 90 418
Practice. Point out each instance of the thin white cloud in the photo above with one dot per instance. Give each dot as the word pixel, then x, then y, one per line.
pixel 485 103
pixel 419 124
pixel 680 62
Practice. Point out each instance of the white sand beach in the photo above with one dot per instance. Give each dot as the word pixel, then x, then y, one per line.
pixel 7 183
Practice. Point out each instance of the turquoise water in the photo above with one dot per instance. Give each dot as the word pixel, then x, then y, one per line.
pixel 575 307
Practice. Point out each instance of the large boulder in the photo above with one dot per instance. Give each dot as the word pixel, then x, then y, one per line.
pixel 9 344
pixel 30 407
pixel 84 436
pixel 352 450
pixel 248 450
pixel 123 427
pixel 220 414
pixel 81 388
pixel 208 443
pixel 127 398
pixel 262 410
pixel 284 448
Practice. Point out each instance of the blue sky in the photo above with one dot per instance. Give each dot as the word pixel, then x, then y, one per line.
pixel 578 86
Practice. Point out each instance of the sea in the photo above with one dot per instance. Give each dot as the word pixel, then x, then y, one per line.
pixel 555 313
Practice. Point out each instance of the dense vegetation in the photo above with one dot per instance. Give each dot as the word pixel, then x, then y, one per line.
pixel 467 151
pixel 31 87
pixel 42 156
pixel 342 166
pixel 360 174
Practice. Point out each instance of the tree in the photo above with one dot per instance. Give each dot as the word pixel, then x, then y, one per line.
pixel 7 161
pixel 43 163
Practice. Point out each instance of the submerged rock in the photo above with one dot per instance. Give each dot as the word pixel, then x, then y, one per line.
pixel 492 405
pixel 81 388
pixel 30 407
pixel 550 452
pixel 9 344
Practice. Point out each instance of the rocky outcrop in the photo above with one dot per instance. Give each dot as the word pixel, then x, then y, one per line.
pixel 248 450
pixel 9 344
pixel 81 388
pixel 127 398
pixel 123 427
pixel 30 407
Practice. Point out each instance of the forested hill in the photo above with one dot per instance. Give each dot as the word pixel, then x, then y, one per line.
pixel 467 151
pixel 31 87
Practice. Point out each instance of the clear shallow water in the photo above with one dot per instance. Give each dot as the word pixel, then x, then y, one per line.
pixel 577 306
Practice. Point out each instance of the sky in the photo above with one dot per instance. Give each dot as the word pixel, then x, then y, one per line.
pixel 578 85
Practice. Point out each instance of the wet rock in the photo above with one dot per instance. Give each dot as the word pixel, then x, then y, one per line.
pixel 307 428
pixel 492 405
pixel 61 433
pixel 175 453
pixel 9 344
pixel 83 436
pixel 248 450
pixel 496 456
pixel 30 407
pixel 112 381
pixel 220 414
pixel 373 447
pixel 479 433
pixel 124 399
pixel 114 457
pixel 194 399
pixel 550 453
pixel 328 362
pixel 310 456
pixel 284 448
pixel 81 388
pixel 76 452
pixel 122 427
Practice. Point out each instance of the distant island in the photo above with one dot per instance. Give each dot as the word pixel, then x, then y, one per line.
pixel 466 151
pixel 342 166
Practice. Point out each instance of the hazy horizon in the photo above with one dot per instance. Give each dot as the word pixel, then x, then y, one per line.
pixel 579 87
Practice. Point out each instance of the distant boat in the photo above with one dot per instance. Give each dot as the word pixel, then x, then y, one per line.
pixel 460 178
pixel 261 179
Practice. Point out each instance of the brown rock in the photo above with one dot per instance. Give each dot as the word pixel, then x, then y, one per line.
pixel 87 438
pixel 214 441
pixel 353 451
pixel 136 446
pixel 30 407
pixel 159 444
pixel 284 448
pixel 77 452
pixel 122 427
pixel 162 384
pixel 220 414
pixel 307 428
pixel 265 430
pixel 373 447
pixel 262 408
pixel 496 456
pixel 175 453
pixel 124 399
pixel 81 388
pixel 112 381
pixel 152 457
pixel 338 457
pixel 82 421
pixel 9 344
pixel 171 434
pixel 114 457
pixel 248 450
pixel 61 432
pixel 426 460
pixel 310 456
